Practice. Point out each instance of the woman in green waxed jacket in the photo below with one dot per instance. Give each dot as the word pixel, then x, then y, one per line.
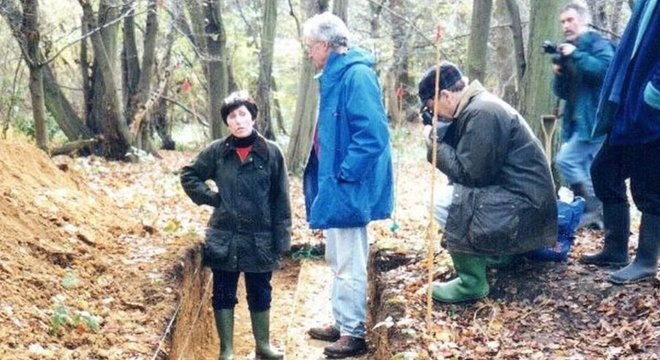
pixel 250 227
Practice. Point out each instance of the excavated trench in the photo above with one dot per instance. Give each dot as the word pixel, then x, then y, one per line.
pixel 193 334
pixel 300 300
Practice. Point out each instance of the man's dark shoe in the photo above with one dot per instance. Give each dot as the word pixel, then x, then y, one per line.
pixel 326 333
pixel 346 346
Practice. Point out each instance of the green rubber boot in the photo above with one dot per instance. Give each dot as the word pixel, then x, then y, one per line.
pixel 499 262
pixel 224 323
pixel 471 283
pixel 261 332
pixel 646 261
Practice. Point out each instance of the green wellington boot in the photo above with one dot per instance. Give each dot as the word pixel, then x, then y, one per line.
pixel 261 332
pixel 615 244
pixel 471 283
pixel 646 261
pixel 224 323
pixel 499 262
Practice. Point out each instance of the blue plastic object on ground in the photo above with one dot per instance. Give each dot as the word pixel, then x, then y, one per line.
pixel 568 218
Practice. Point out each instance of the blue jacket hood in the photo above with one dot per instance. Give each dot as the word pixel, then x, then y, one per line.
pixel 338 63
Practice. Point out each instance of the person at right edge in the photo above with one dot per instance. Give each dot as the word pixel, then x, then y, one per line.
pixel 503 197
pixel 579 70
pixel 629 113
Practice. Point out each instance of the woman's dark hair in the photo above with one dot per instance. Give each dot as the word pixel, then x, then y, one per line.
pixel 236 100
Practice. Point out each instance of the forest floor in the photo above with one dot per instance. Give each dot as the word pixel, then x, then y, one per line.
pixel 91 251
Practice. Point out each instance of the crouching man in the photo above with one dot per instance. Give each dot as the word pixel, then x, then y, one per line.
pixel 502 200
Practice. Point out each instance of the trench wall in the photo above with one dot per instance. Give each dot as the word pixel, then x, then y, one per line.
pixel 193 336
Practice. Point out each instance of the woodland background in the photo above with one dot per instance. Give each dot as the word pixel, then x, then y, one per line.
pixel 114 77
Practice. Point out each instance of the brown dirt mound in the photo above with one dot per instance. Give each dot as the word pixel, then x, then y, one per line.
pixel 39 200
pixel 61 279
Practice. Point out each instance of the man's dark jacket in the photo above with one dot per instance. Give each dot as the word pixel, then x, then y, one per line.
pixel 503 201
pixel 251 223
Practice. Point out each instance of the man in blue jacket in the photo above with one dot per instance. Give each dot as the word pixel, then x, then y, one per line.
pixel 629 113
pixel 583 61
pixel 348 177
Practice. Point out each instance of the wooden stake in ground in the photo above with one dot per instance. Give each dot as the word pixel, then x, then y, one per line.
pixel 431 230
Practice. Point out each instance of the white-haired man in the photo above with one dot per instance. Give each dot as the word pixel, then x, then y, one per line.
pixel 348 177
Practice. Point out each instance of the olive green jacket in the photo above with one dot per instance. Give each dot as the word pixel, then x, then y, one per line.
pixel 251 224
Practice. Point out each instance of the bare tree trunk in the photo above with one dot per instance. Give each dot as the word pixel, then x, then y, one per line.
pixel 163 123
pixel 231 81
pixel 537 98
pixel 278 108
pixel 144 139
pixel 130 63
pixel 376 8
pixel 505 70
pixel 374 22
pixel 598 13
pixel 399 76
pixel 518 41
pixel 197 37
pixel 478 43
pixel 160 116
pixel 116 138
pixel 217 65
pixel 269 20
pixel 615 16
pixel 340 8
pixel 33 57
pixel 305 115
pixel 107 12
pixel 61 109
pixel 85 69
pixel 197 27
pixel 6 118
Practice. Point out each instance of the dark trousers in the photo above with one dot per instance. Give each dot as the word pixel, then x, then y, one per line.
pixel 257 287
pixel 639 163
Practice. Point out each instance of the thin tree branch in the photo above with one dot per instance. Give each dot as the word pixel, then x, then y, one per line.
pixel 293 15
pixel 248 24
pixel 609 32
pixel 199 117
pixel 407 21
pixel 90 33
pixel 13 99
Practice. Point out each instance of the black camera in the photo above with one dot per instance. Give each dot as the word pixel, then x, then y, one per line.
pixel 553 49
pixel 549 47
pixel 427 115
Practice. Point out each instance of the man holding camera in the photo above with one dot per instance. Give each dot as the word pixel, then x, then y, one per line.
pixel 579 67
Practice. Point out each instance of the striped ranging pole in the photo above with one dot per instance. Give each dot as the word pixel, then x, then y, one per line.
pixel 431 230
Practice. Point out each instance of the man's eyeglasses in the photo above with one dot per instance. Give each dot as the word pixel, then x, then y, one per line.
pixel 312 44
